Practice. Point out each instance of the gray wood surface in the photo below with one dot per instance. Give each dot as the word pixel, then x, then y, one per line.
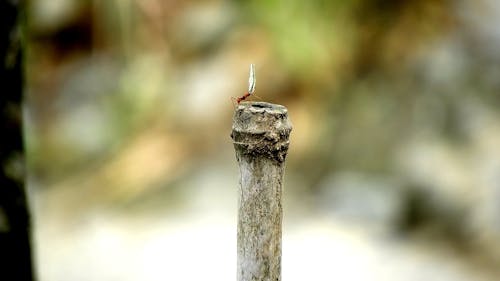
pixel 261 138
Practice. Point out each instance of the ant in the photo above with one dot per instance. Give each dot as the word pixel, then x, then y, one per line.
pixel 251 85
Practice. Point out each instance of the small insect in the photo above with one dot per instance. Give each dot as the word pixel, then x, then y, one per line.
pixel 251 84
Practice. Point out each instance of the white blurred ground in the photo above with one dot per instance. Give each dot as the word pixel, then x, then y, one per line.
pixel 202 246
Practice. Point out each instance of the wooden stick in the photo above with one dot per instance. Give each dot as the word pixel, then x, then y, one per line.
pixel 260 134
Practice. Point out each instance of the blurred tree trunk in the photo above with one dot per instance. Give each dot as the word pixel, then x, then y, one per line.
pixel 15 237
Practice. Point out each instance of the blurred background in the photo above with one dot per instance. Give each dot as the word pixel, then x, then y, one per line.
pixel 393 172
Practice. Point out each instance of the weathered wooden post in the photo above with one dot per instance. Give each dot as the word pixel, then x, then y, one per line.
pixel 260 134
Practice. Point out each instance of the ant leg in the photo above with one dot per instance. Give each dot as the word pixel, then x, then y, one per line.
pixel 260 99
pixel 234 101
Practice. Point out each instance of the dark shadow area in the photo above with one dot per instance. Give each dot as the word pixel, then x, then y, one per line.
pixel 15 253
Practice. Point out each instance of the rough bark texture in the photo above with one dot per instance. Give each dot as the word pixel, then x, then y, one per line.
pixel 15 253
pixel 260 134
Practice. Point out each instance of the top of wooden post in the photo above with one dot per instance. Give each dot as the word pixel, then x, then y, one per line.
pixel 261 129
